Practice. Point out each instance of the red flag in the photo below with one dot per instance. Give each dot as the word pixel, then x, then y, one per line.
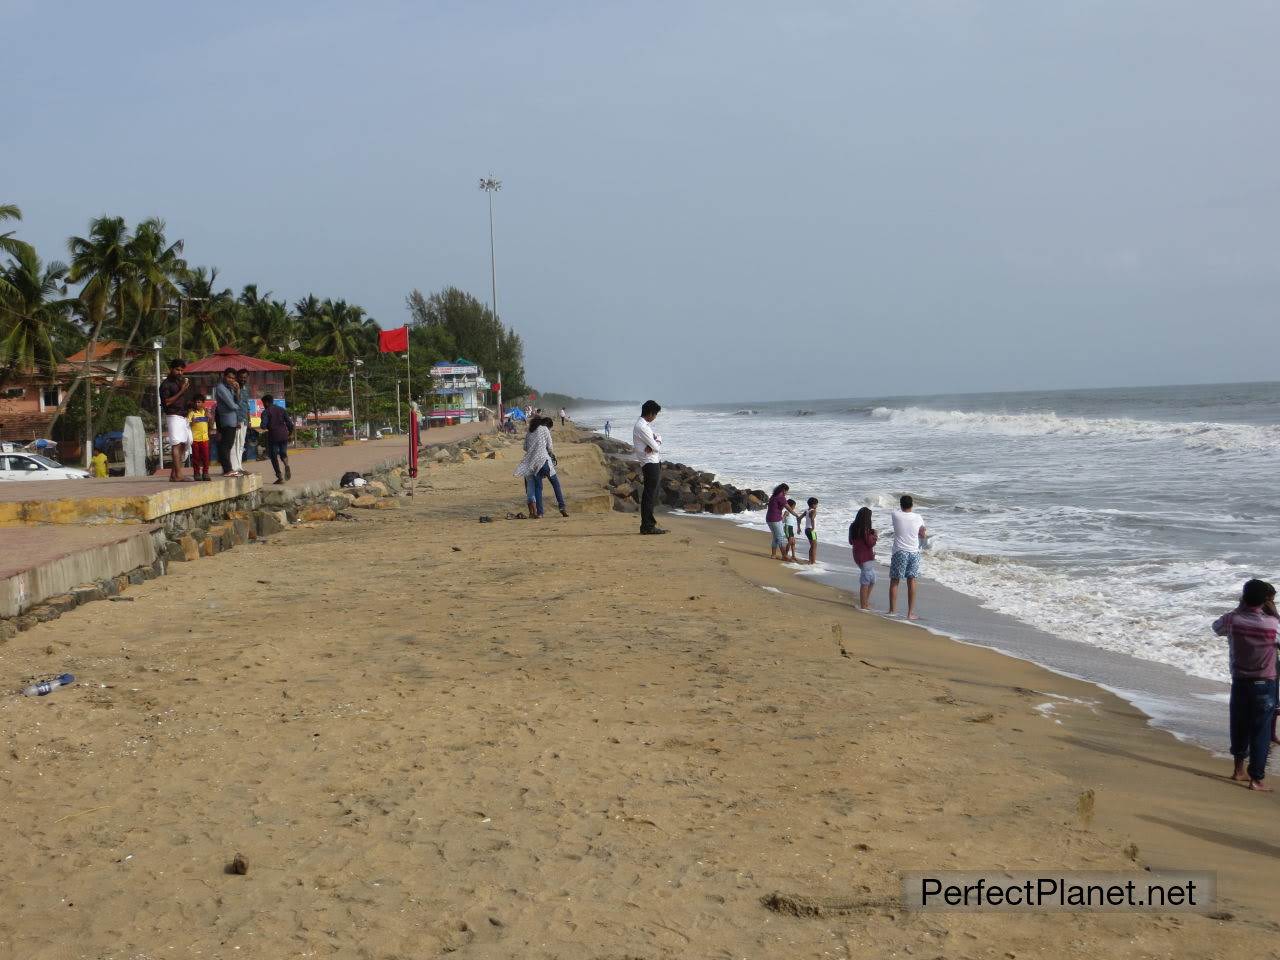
pixel 394 341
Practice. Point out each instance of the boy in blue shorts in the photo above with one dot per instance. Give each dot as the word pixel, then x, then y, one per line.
pixel 908 529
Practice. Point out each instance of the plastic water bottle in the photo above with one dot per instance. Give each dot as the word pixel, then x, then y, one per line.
pixel 46 687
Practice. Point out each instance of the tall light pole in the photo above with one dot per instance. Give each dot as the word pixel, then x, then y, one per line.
pixel 491 186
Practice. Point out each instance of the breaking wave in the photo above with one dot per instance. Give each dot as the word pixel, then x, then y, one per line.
pixel 1215 437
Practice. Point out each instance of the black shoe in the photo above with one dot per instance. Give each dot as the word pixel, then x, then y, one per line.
pixel 278 482
pixel 564 512
pixel 288 474
pixel 654 532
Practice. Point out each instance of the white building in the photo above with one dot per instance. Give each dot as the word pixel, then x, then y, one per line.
pixel 458 392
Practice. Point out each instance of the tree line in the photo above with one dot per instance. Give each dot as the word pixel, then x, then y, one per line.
pixel 135 285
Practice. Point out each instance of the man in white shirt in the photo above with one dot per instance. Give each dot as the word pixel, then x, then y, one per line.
pixel 908 530
pixel 647 446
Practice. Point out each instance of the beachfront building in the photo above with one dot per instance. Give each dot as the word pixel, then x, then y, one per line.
pixel 29 402
pixel 457 393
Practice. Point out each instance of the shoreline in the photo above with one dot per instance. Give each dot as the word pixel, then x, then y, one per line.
pixel 1192 709
pixel 1189 707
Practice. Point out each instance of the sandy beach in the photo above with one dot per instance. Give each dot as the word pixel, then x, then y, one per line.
pixel 428 735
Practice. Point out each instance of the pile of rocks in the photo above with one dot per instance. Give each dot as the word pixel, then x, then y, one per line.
pixel 684 488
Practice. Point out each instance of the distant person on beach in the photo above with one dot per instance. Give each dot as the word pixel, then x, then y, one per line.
pixel 226 415
pixel 173 397
pixel 810 520
pixel 790 525
pixel 647 447
pixel 908 528
pixel 863 540
pixel 1250 630
pixel 198 423
pixel 562 416
pixel 277 425
pixel 606 428
pixel 245 408
pixel 773 516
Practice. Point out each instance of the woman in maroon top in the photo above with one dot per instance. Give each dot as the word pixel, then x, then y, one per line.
pixel 863 540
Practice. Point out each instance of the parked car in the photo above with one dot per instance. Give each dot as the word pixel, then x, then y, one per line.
pixel 16 465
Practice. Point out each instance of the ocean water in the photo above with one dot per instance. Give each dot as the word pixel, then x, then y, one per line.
pixel 1121 520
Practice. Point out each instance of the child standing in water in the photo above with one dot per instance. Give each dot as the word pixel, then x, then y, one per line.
pixel 792 522
pixel 810 519
pixel 863 540
pixel 1250 630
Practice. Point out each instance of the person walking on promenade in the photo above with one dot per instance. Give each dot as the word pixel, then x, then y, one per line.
pixel 863 540
pixel 1250 630
pixel 908 529
pixel 226 415
pixel 773 517
pixel 245 408
pixel 173 398
pixel 198 420
pixel 647 447
pixel 278 427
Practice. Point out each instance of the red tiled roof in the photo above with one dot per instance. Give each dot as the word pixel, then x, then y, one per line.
pixel 104 350
pixel 231 357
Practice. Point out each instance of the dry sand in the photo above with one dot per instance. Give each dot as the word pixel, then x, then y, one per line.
pixel 428 735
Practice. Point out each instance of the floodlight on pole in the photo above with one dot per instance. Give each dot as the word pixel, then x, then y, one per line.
pixel 490 185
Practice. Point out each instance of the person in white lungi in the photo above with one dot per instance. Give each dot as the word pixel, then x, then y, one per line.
pixel 242 422
pixel 174 393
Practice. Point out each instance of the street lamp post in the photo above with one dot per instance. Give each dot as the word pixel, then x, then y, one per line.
pixel 351 376
pixel 158 344
pixel 491 186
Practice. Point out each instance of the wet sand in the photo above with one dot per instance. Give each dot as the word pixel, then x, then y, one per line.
pixel 429 735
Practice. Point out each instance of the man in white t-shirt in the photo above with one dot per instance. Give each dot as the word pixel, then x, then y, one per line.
pixel 908 531
pixel 647 446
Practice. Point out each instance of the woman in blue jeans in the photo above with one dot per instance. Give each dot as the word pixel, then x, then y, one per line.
pixel 539 464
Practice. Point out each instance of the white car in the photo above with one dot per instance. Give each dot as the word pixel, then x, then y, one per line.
pixel 33 466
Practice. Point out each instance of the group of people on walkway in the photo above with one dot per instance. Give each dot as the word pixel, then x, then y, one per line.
pixel 191 420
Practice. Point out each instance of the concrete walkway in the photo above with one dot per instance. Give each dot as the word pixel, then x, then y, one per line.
pixel 56 534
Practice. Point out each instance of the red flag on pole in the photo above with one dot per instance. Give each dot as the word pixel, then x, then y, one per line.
pixel 394 341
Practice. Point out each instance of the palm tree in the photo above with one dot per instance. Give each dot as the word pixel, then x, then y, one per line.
pixel 208 309
pixel 342 331
pixel 155 264
pixel 8 242
pixel 31 313
pixel 102 262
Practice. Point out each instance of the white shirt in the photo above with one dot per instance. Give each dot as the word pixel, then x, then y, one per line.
pixel 642 436
pixel 906 531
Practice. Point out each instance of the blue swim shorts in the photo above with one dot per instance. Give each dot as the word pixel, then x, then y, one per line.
pixel 904 565
pixel 868 576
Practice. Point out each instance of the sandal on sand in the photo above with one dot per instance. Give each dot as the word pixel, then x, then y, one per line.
pixel 516 516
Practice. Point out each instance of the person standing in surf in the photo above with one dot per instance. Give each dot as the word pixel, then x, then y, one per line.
pixel 810 520
pixel 908 529
pixel 1251 630
pixel 773 515
pixel 863 540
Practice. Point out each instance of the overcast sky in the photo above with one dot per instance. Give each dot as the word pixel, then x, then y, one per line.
pixel 701 201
